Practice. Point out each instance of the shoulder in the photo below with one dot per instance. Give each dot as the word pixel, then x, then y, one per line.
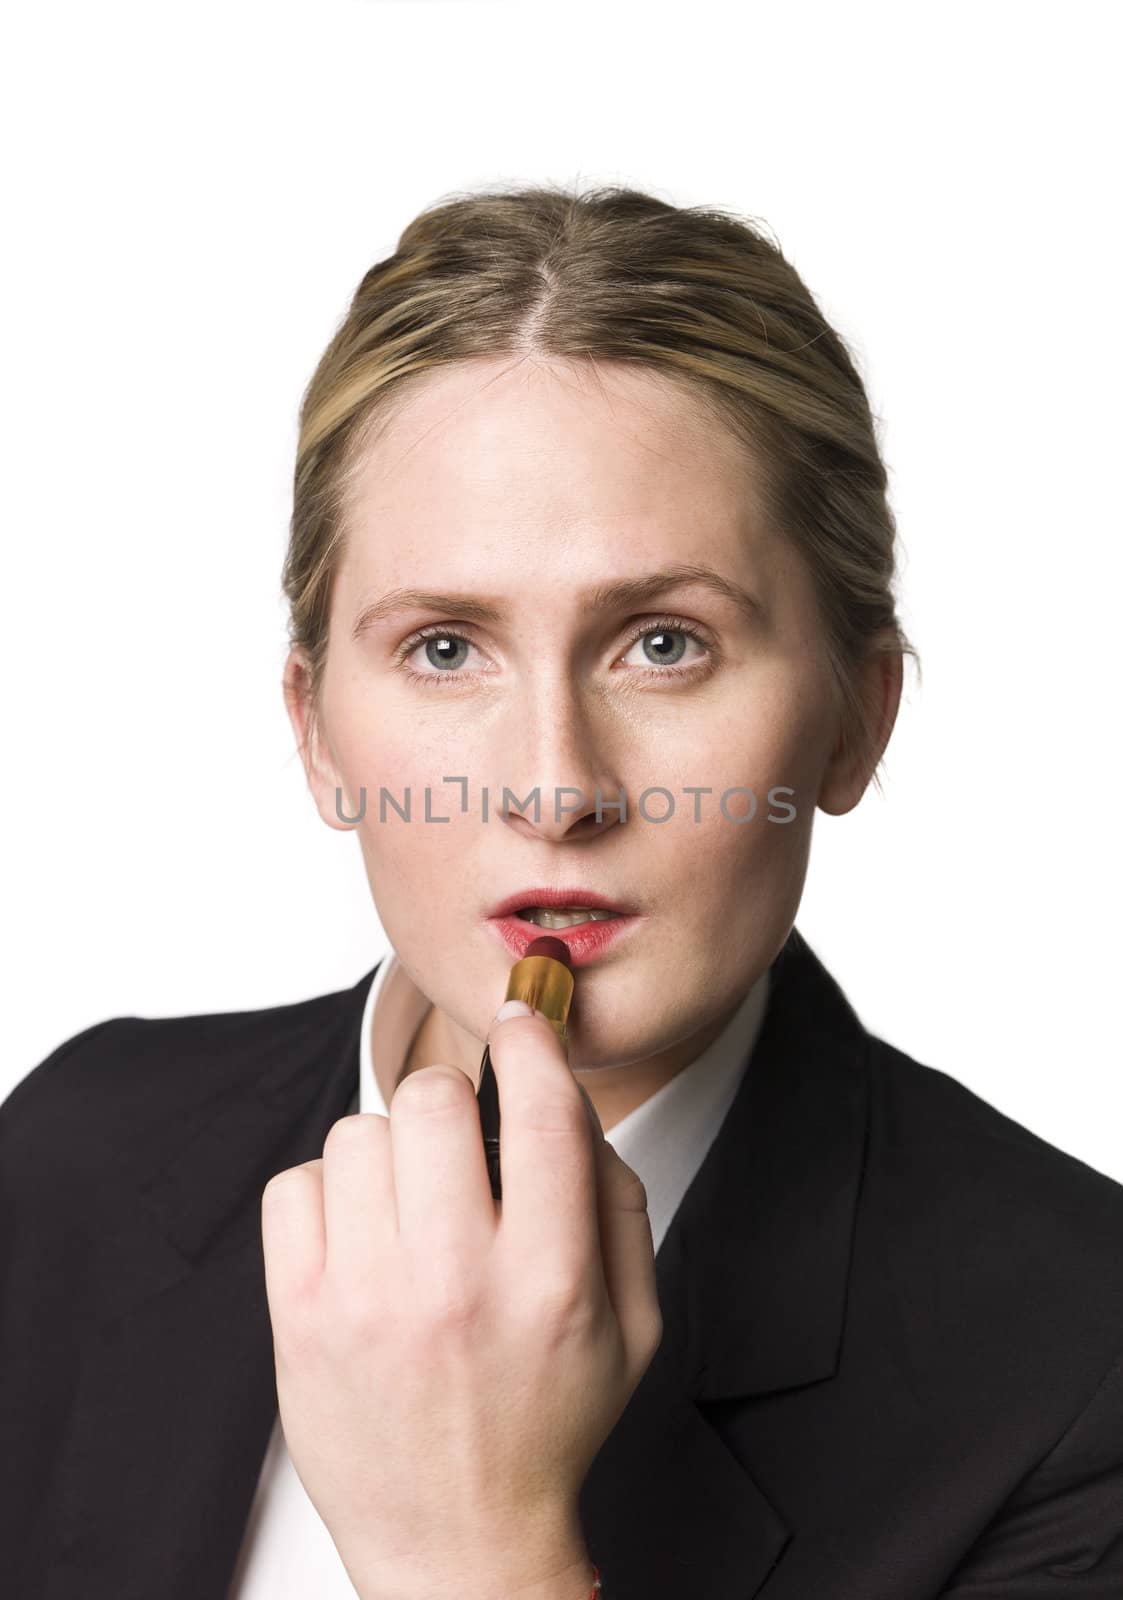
pixel 1000 1234
pixel 947 1139
pixel 133 1072
pixel 992 1264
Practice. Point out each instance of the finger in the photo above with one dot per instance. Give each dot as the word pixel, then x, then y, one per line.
pixel 445 1207
pixel 546 1148
pixel 628 1254
pixel 292 1234
pixel 360 1213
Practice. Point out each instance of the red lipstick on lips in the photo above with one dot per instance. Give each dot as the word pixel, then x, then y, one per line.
pixel 585 941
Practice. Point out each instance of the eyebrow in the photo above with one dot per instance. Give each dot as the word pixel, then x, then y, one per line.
pixel 624 592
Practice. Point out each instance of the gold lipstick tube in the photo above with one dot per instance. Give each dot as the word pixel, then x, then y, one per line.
pixel 546 985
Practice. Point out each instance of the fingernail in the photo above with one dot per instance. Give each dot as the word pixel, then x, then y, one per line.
pixel 513 1008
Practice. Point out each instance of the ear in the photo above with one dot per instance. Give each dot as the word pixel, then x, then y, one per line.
pixel 848 771
pixel 320 767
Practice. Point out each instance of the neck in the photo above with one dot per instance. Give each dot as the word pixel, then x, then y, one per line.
pixel 614 1091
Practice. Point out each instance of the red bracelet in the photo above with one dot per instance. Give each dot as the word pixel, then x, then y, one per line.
pixel 596 1589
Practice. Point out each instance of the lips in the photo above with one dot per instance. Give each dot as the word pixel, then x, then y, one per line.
pixel 527 899
pixel 585 941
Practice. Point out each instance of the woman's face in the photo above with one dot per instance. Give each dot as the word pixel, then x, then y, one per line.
pixel 528 487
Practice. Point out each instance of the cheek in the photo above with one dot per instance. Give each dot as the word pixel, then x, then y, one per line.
pixel 745 865
pixel 711 861
pixel 415 834
pixel 766 741
pixel 738 883
pixel 383 743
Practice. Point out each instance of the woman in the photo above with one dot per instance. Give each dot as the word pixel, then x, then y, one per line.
pixel 590 581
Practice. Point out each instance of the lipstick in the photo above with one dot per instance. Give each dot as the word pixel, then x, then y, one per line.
pixel 544 979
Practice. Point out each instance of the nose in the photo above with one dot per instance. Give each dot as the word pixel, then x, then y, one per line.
pixel 555 741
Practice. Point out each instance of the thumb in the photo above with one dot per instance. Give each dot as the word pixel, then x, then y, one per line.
pixel 627 1249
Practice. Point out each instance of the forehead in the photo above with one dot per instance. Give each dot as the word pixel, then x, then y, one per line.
pixel 512 437
pixel 537 479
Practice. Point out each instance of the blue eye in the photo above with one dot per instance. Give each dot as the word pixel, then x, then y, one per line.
pixel 437 644
pixel 658 643
pixel 666 644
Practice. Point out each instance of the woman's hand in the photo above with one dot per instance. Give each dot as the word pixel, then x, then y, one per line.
pixel 449 1365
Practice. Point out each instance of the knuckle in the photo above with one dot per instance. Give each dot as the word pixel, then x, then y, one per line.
pixel 355 1128
pixel 430 1089
pixel 280 1183
pixel 557 1115
pixel 449 1304
pixel 654 1333
pixel 630 1192
pixel 288 1182
pixel 633 1193
pixel 561 1302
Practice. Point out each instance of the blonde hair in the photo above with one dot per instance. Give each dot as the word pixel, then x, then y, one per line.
pixel 695 294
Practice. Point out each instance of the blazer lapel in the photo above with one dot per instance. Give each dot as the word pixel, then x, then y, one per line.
pixel 752 1277
pixel 177 1395
pixel 666 1508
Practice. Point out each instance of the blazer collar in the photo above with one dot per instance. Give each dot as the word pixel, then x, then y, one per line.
pixel 776 1198
pixel 177 1393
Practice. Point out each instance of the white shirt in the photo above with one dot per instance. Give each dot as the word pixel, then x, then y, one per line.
pixel 287 1552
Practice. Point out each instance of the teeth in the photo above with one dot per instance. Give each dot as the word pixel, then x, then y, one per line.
pixel 543 917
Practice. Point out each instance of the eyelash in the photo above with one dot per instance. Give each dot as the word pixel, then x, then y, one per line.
pixel 660 625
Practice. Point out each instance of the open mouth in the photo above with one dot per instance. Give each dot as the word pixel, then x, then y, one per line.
pixel 589 921
pixel 554 917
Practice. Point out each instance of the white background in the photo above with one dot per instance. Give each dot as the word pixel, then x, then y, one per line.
pixel 192 194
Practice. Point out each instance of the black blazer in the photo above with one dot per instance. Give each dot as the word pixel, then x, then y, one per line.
pixel 892 1324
